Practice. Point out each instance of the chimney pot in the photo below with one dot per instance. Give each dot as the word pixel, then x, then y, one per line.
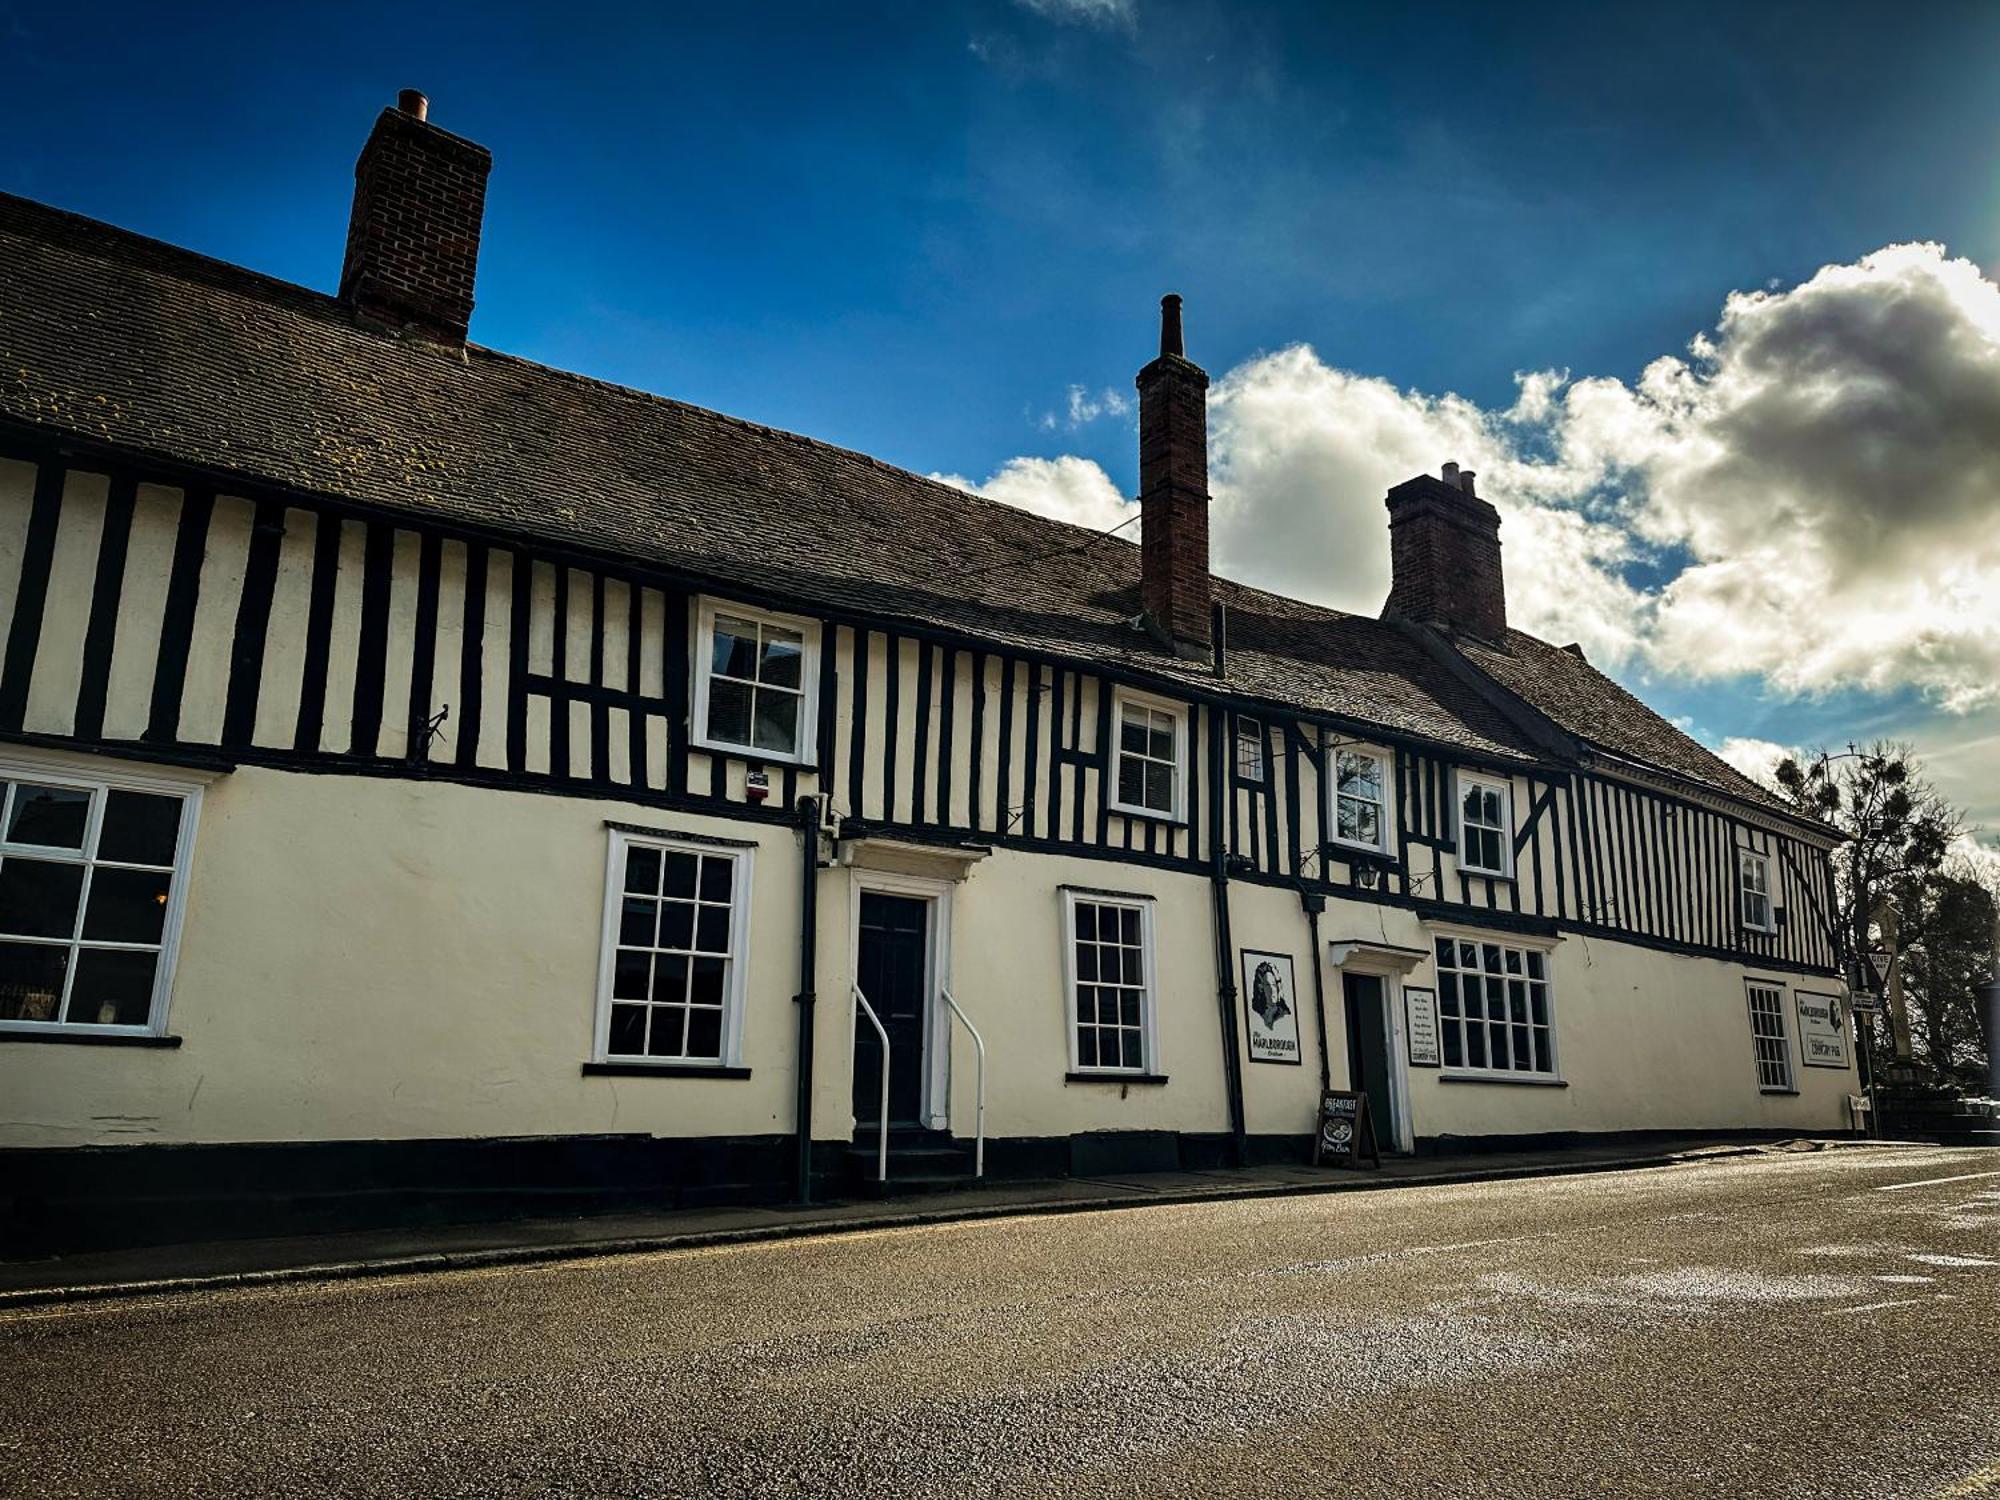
pixel 1450 472
pixel 1170 326
pixel 1465 478
pixel 412 103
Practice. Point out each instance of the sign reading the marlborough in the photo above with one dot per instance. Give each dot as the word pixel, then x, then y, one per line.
pixel 1822 1031
pixel 1421 1008
pixel 1272 1003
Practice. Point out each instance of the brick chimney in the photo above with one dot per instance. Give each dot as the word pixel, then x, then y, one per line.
pixel 413 237
pixel 1444 556
pixel 1173 492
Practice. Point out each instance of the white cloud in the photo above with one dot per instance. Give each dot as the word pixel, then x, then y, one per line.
pixel 1100 13
pixel 1756 758
pixel 1809 495
pixel 1083 408
pixel 1070 489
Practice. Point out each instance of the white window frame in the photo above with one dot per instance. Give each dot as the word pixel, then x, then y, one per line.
pixel 1509 942
pixel 620 843
pixel 1121 699
pixel 704 666
pixel 1746 861
pixel 1256 773
pixel 1149 1041
pixel 1781 1036
pixel 1384 763
pixel 80 774
pixel 1505 787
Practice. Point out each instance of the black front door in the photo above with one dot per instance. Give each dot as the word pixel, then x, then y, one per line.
pixel 1368 1050
pixel 895 944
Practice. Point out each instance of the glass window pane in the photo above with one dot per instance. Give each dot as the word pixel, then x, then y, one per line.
pixel 111 988
pixel 126 906
pixel 705 982
pixel 1131 732
pixel 1490 952
pixel 784 658
pixel 1448 993
pixel 1347 820
pixel 1534 964
pixel 51 816
pixel 704 1036
pixel 642 871
pixel 1086 963
pixel 712 929
pixel 1134 1053
pixel 139 828
pixel 1496 1045
pixel 1475 1046
pixel 1368 829
pixel 1445 950
pixel 628 1031
pixel 1539 1006
pixel 670 978
pixel 1131 781
pixel 735 647
pixel 638 922
pixel 729 712
pixel 629 973
pixel 669 1034
pixel 680 873
pixel 1468 956
pixel 1128 926
pixel 1544 1063
pixel 1163 738
pixel 38 897
pixel 677 924
pixel 777 723
pixel 1086 1046
pixel 718 877
pixel 1454 1051
pixel 31 981
pixel 1159 787
pixel 1086 921
pixel 1129 1008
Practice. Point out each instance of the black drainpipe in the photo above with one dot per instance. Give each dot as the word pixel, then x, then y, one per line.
pixel 1225 946
pixel 1314 904
pixel 806 999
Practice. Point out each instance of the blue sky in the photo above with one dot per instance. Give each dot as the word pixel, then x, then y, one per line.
pixel 911 229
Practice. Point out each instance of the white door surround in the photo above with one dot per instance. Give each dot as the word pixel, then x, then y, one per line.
pixel 936 896
pixel 1390 964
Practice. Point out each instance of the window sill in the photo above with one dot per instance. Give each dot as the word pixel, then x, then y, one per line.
pixel 660 1070
pixel 1779 1093
pixel 753 757
pixel 1508 876
pixel 1525 1080
pixel 1152 815
pixel 1148 1079
pixel 92 1038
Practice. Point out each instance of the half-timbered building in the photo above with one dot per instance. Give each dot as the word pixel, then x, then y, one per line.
pixel 436 784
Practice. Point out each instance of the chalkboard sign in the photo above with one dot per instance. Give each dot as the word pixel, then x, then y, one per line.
pixel 1346 1130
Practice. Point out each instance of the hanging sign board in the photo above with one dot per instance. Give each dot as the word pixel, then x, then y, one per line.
pixel 1420 1008
pixel 1822 1031
pixel 1272 1007
pixel 1346 1132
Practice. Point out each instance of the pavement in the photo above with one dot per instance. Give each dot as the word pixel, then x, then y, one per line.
pixel 1784 1322
pixel 388 1252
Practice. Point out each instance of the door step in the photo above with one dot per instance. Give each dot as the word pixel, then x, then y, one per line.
pixel 920 1161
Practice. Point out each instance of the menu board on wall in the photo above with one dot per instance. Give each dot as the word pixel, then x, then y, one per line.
pixel 1421 1009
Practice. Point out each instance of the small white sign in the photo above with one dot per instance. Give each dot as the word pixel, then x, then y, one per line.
pixel 1822 1031
pixel 1421 1008
pixel 1272 1007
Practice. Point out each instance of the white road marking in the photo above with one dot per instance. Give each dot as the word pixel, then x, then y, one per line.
pixel 1952 1260
pixel 1934 1181
pixel 1866 1307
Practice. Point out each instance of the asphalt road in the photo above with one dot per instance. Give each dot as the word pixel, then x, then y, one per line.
pixel 1821 1323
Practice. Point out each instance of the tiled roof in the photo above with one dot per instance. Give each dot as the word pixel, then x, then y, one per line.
pixel 108 336
pixel 1577 697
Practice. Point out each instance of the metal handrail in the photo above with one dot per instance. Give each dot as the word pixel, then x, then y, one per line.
pixel 979 1113
pixel 860 1006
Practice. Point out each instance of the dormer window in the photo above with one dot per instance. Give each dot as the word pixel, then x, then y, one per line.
pixel 755 685
pixel 1754 871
